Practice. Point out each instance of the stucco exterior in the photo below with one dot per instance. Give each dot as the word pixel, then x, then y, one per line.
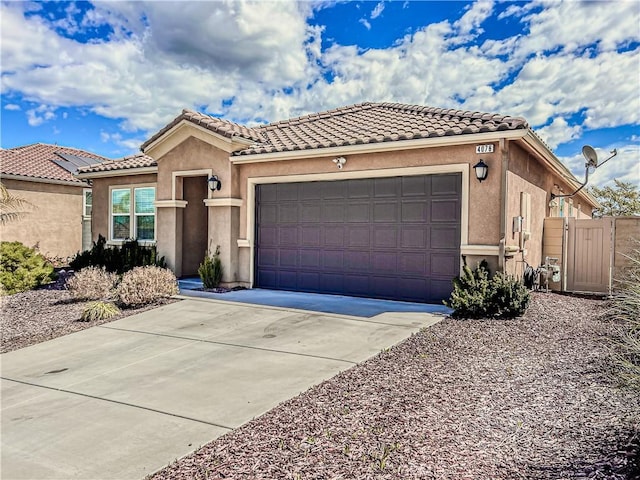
pixel 54 223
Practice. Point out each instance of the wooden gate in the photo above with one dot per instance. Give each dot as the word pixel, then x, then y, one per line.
pixel 589 255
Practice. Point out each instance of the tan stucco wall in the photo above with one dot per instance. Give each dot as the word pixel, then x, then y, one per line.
pixel 55 224
pixel 100 189
pixel 626 245
pixel 484 198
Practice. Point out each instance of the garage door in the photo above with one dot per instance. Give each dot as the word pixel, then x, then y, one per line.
pixel 393 238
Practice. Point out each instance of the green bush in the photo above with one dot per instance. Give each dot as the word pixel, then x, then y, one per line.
pixel 478 295
pixel 117 259
pixel 92 283
pixel 144 285
pixel 99 311
pixel 22 268
pixel 210 270
pixel 625 307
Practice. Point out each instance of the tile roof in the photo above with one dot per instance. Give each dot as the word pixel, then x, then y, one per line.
pixel 38 161
pixel 139 160
pixel 223 127
pixel 375 123
pixel 352 125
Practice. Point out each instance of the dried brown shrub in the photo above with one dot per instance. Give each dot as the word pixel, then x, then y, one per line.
pixel 144 285
pixel 92 283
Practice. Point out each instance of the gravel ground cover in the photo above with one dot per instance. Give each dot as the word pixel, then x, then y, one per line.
pixel 530 398
pixel 38 315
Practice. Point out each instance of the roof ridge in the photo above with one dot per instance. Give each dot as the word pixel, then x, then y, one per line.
pixel 447 111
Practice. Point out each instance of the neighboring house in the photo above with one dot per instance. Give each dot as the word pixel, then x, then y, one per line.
pixel 59 218
pixel 375 199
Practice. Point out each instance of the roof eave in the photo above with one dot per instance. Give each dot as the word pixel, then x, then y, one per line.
pixel 122 172
pixel 52 181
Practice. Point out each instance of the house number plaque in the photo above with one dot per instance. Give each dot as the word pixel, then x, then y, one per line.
pixel 484 148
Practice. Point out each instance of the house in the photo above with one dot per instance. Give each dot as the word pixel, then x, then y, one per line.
pixel 59 215
pixel 374 199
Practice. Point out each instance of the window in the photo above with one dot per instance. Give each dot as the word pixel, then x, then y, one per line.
pixel 133 213
pixel 87 202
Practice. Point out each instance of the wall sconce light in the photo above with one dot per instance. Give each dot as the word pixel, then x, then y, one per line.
pixel 340 161
pixel 482 170
pixel 214 183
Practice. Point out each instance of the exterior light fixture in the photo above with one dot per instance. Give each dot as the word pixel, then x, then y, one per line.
pixel 340 161
pixel 214 183
pixel 482 170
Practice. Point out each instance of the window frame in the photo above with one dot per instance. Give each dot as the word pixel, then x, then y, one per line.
pixel 84 203
pixel 132 214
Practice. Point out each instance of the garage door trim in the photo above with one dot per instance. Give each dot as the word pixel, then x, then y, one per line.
pixel 462 168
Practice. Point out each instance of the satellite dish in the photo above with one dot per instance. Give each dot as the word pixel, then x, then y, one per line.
pixel 590 154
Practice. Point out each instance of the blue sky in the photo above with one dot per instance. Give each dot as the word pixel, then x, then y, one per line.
pixel 105 76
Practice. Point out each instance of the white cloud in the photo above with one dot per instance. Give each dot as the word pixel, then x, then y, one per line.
pixel 39 115
pixel 559 131
pixel 377 11
pixel 12 106
pixel 366 23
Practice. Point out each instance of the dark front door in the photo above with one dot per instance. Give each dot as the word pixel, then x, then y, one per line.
pixel 394 238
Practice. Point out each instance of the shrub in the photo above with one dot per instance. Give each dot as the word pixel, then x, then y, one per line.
pixel 92 283
pixel 625 307
pixel 22 268
pixel 477 295
pixel 117 259
pixel 99 311
pixel 211 270
pixel 144 285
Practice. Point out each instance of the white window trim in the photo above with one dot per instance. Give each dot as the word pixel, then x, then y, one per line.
pixel 84 204
pixel 132 214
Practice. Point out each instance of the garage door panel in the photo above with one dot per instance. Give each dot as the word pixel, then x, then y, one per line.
pixel 384 212
pixel 394 238
pixel 358 213
pixel 355 260
pixel 333 259
pixel 288 235
pixel 310 213
pixel 310 259
pixel 385 187
pixel 414 211
pixel 333 212
pixel 333 236
pixel 310 236
pixel 444 210
pixel 413 263
pixel 267 257
pixel 445 185
pixel 357 285
pixel 308 281
pixel 413 237
pixel 385 236
pixel 288 258
pixel 415 186
pixel 287 279
pixel 359 236
pixel 384 262
pixel 444 237
pixel 332 283
pixel 443 265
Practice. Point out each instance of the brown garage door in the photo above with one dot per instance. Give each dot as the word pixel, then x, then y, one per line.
pixel 395 238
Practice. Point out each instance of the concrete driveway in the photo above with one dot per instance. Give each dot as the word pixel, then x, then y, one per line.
pixel 125 399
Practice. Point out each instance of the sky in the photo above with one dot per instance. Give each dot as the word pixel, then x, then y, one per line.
pixel 105 76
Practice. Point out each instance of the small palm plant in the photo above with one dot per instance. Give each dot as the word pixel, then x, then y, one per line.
pixel 12 208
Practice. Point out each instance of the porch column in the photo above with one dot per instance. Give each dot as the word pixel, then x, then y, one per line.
pixel 169 232
pixel 224 230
